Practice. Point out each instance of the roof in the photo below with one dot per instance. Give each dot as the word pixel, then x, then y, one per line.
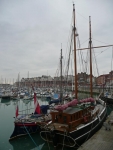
pixel 71 110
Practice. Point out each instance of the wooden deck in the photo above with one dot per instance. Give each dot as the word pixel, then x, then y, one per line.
pixel 103 139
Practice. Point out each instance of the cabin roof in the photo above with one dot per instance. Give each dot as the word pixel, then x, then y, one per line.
pixel 71 110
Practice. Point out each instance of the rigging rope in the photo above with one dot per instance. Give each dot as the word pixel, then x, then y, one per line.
pixel 31 137
pixel 96 63
pixel 63 141
pixel 68 43
pixel 47 141
pixel 103 51
pixel 99 41
pixel 67 68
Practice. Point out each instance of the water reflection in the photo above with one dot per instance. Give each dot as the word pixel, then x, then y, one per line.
pixel 6 102
pixel 7 126
pixel 36 143
pixel 14 102
pixel 26 101
pixel 22 143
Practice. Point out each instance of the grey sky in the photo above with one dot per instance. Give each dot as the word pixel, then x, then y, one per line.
pixel 31 33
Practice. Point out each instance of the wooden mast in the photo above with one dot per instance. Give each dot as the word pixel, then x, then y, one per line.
pixel 75 62
pixel 95 47
pixel 90 43
pixel 61 75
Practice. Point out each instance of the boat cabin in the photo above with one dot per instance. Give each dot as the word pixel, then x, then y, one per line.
pixel 72 116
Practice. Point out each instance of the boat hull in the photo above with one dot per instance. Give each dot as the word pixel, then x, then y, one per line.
pixel 107 100
pixel 5 97
pixel 21 129
pixel 76 137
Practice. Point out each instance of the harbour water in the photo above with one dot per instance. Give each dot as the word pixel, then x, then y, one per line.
pixel 7 114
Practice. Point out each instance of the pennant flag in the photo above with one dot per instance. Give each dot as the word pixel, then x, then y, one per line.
pixel 17 111
pixel 37 107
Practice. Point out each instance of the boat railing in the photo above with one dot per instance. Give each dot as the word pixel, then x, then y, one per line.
pixel 26 110
pixel 82 120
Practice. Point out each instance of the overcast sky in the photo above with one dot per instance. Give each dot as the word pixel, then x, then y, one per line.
pixel 31 33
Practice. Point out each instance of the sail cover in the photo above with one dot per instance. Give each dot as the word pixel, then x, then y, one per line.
pixel 73 103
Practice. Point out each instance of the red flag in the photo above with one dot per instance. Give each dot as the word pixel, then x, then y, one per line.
pixel 37 107
pixel 17 111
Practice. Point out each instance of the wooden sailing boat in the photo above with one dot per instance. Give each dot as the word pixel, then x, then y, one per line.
pixel 75 121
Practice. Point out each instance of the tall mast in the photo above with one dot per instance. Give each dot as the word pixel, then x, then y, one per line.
pixel 18 81
pixel 28 81
pixel 61 74
pixel 28 74
pixel 75 62
pixel 90 43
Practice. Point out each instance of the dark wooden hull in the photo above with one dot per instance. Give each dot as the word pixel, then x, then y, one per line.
pixel 76 137
pixel 107 100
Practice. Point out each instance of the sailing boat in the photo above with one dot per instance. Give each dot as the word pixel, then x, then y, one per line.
pixel 58 96
pixel 75 121
pixel 26 123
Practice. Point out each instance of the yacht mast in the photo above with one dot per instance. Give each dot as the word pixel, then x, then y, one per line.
pixel 75 62
pixel 90 43
pixel 61 74
pixel 18 82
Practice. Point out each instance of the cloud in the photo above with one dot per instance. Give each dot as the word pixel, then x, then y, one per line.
pixel 31 33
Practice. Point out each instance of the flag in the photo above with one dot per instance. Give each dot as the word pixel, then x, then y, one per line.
pixel 17 111
pixel 37 107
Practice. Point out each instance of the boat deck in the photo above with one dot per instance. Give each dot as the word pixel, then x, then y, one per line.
pixel 59 127
pixel 100 107
pixel 33 118
pixel 103 139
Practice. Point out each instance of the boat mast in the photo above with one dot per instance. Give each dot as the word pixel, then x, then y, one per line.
pixel 28 81
pixel 18 82
pixel 95 47
pixel 75 62
pixel 90 43
pixel 61 74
